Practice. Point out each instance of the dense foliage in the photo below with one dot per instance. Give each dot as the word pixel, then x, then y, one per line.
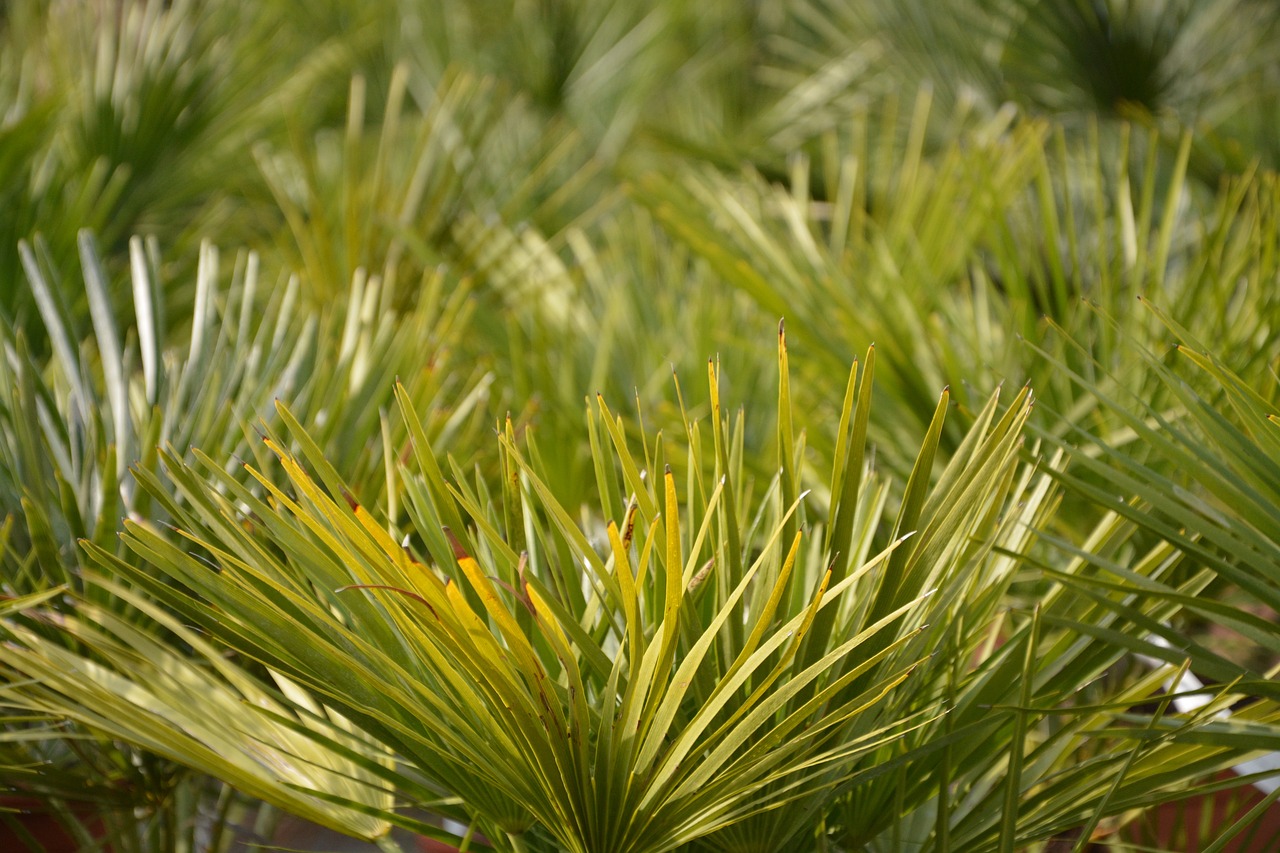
pixel 392 427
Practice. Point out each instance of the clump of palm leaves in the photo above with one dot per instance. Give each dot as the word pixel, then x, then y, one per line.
pixel 1197 475
pixel 106 402
pixel 702 658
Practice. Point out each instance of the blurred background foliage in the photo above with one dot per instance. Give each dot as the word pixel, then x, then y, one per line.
pixel 1081 148
pixel 509 206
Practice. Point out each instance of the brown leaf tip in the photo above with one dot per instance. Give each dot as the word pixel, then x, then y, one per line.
pixel 459 553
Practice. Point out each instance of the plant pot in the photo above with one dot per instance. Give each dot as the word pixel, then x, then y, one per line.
pixel 27 819
pixel 424 844
pixel 1191 825
pixel 430 845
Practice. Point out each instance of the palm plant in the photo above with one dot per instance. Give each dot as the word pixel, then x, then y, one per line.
pixel 951 299
pixel 113 400
pixel 681 679
pixel 432 187
pixel 138 117
pixel 1200 473
pixel 148 717
pixel 77 422
pixel 1174 64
